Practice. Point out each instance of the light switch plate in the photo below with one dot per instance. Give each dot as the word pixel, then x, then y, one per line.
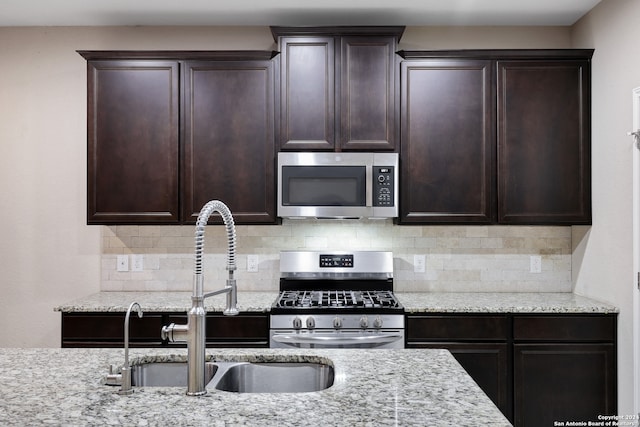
pixel 122 263
pixel 419 263
pixel 535 264
pixel 137 262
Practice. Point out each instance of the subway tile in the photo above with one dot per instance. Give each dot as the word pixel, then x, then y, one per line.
pixel 458 258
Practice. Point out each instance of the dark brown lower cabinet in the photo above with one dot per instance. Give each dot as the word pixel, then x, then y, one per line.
pixel 93 329
pixel 564 368
pixel 537 369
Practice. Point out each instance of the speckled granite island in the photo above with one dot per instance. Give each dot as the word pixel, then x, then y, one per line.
pixel 372 388
pixel 520 348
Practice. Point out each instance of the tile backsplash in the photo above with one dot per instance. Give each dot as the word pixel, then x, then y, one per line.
pixel 458 258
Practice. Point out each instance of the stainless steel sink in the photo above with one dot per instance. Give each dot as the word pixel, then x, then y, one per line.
pixel 276 378
pixel 166 374
pixel 239 377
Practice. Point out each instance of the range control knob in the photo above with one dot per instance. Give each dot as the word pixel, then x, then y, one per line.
pixel 311 322
pixel 337 322
pixel 377 322
pixel 364 322
pixel 297 323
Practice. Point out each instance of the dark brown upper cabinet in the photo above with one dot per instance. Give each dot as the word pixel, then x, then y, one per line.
pixel 132 151
pixel 170 130
pixel 544 141
pixel 496 136
pixel 229 140
pixel 448 141
pixel 338 88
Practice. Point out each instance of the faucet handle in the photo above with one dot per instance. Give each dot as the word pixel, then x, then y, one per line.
pixel 167 332
pixel 175 333
pixel 113 378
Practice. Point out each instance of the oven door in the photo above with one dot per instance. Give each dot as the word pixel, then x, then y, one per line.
pixel 329 338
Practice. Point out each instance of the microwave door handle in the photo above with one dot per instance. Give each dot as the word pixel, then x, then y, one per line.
pixel 368 192
pixel 336 339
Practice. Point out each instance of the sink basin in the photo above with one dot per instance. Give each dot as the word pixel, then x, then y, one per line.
pixel 239 377
pixel 276 378
pixel 165 374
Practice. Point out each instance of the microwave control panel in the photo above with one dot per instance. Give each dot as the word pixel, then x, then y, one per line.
pixel 383 185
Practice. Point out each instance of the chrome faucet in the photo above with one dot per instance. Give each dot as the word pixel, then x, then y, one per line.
pixel 193 333
pixel 124 377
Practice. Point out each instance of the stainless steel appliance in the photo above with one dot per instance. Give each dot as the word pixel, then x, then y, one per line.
pixel 336 299
pixel 338 185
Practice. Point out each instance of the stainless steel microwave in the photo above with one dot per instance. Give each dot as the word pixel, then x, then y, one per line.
pixel 337 185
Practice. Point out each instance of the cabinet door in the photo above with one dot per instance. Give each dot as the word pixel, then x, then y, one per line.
pixel 308 93
pixel 544 160
pixel 447 147
pixel 368 106
pixel 229 143
pixel 132 170
pixel 563 382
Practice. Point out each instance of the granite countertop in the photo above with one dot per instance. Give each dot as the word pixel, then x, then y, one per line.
pixel 409 387
pixel 481 302
pixel 166 302
pixel 413 302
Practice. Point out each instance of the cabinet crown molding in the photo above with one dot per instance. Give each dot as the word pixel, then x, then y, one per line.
pixel 218 55
pixel 499 54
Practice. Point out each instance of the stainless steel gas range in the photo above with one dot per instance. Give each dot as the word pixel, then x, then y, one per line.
pixel 336 299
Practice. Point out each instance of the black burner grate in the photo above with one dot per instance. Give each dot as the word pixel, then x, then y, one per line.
pixel 337 299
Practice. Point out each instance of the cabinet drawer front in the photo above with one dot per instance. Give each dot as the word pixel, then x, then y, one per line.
pixel 564 328
pixel 237 327
pixel 230 328
pixel 451 328
pixel 100 327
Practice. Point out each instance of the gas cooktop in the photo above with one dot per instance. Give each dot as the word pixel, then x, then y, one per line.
pixel 336 299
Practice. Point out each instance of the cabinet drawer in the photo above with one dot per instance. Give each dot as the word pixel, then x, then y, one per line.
pixel 241 327
pixel 229 328
pixel 455 328
pixel 110 326
pixel 564 328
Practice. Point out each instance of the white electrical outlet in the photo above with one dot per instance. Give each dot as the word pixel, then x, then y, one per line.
pixel 122 263
pixel 535 264
pixel 137 262
pixel 252 263
pixel 419 264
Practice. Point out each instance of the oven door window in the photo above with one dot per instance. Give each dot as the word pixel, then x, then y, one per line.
pixel 324 186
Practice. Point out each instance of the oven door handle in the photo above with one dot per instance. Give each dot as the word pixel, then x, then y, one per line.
pixel 340 340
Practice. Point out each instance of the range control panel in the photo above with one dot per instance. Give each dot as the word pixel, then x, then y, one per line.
pixel 336 261
pixel 383 185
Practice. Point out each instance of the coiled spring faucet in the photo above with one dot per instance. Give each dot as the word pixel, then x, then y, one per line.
pixel 193 333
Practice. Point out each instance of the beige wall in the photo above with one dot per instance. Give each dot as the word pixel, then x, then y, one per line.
pixel 47 253
pixel 602 259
